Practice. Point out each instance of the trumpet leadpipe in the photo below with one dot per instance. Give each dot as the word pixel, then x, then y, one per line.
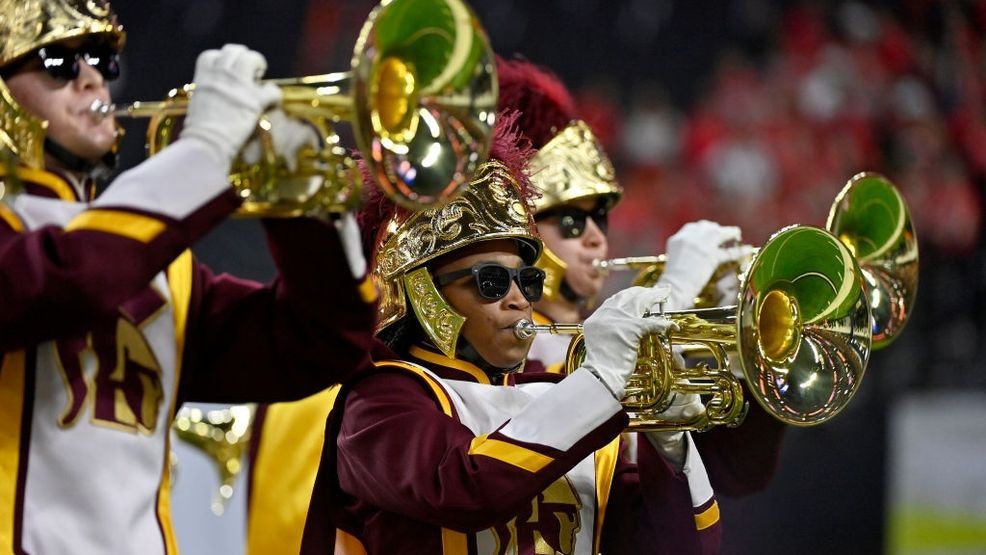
pixel 628 263
pixel 101 110
pixel 525 329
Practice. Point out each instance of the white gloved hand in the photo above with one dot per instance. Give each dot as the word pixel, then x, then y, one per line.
pixel 228 99
pixel 613 332
pixel 727 287
pixel 684 406
pixel 694 253
pixel 288 135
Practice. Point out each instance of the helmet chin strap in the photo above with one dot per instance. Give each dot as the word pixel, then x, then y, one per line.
pixel 468 353
pixel 98 170
pixel 570 295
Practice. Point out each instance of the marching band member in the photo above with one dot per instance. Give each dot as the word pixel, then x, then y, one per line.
pixel 449 447
pixel 578 188
pixel 108 323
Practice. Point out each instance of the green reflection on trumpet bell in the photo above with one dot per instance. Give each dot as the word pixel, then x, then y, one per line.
pixel 801 332
pixel 420 98
pixel 871 218
pixel 803 326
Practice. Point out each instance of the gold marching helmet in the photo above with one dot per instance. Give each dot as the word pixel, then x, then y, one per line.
pixel 570 164
pixel 492 207
pixel 570 167
pixel 573 166
pixel 27 25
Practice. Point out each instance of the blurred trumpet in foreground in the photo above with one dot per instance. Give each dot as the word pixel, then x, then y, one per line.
pixel 421 100
pixel 870 217
pixel 223 436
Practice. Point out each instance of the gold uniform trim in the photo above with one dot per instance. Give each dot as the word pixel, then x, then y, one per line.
pixel 126 224
pixel 436 358
pixel 437 389
pixel 282 486
pixel 368 290
pixel 346 544
pixel 46 179
pixel 708 517
pixel 454 543
pixel 180 285
pixel 11 218
pixel 605 464
pixel 518 456
pixel 11 409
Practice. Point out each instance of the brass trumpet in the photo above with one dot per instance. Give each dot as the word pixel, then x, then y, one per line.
pixel 871 219
pixel 420 97
pixel 801 331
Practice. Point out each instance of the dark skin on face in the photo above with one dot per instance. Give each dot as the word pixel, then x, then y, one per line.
pixel 578 253
pixel 65 106
pixel 489 324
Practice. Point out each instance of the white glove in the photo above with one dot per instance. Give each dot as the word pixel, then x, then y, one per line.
pixel 727 287
pixel 613 332
pixel 684 406
pixel 288 135
pixel 228 99
pixel 694 253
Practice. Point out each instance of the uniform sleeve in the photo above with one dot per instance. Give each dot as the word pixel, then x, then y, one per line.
pixel 650 511
pixel 448 476
pixel 55 281
pixel 310 328
pixel 742 460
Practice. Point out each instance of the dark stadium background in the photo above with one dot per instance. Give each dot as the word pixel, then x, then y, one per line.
pixel 749 112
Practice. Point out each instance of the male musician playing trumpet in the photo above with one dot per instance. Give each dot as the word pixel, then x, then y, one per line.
pixel 107 322
pixel 450 448
pixel 578 188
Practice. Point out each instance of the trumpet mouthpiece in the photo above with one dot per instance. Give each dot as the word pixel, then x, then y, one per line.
pixel 524 329
pixel 100 110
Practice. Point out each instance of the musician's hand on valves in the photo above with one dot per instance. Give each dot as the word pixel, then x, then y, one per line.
pixel 288 135
pixel 693 254
pixel 613 332
pixel 228 99
pixel 684 407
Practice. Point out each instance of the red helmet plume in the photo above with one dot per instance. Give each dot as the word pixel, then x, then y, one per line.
pixel 546 106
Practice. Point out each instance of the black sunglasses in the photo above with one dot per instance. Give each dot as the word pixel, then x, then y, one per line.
pixel 493 280
pixel 572 220
pixel 62 62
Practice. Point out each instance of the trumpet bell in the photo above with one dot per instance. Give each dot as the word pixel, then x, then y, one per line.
pixel 421 101
pixel 871 218
pixel 803 326
pixel 424 76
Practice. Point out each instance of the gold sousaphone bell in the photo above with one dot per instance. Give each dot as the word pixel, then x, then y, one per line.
pixel 421 100
pixel 806 319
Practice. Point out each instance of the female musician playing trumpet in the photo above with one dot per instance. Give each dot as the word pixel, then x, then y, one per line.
pixel 449 447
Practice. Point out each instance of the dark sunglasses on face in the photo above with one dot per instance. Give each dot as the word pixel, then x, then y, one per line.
pixel 62 62
pixel 493 280
pixel 572 220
